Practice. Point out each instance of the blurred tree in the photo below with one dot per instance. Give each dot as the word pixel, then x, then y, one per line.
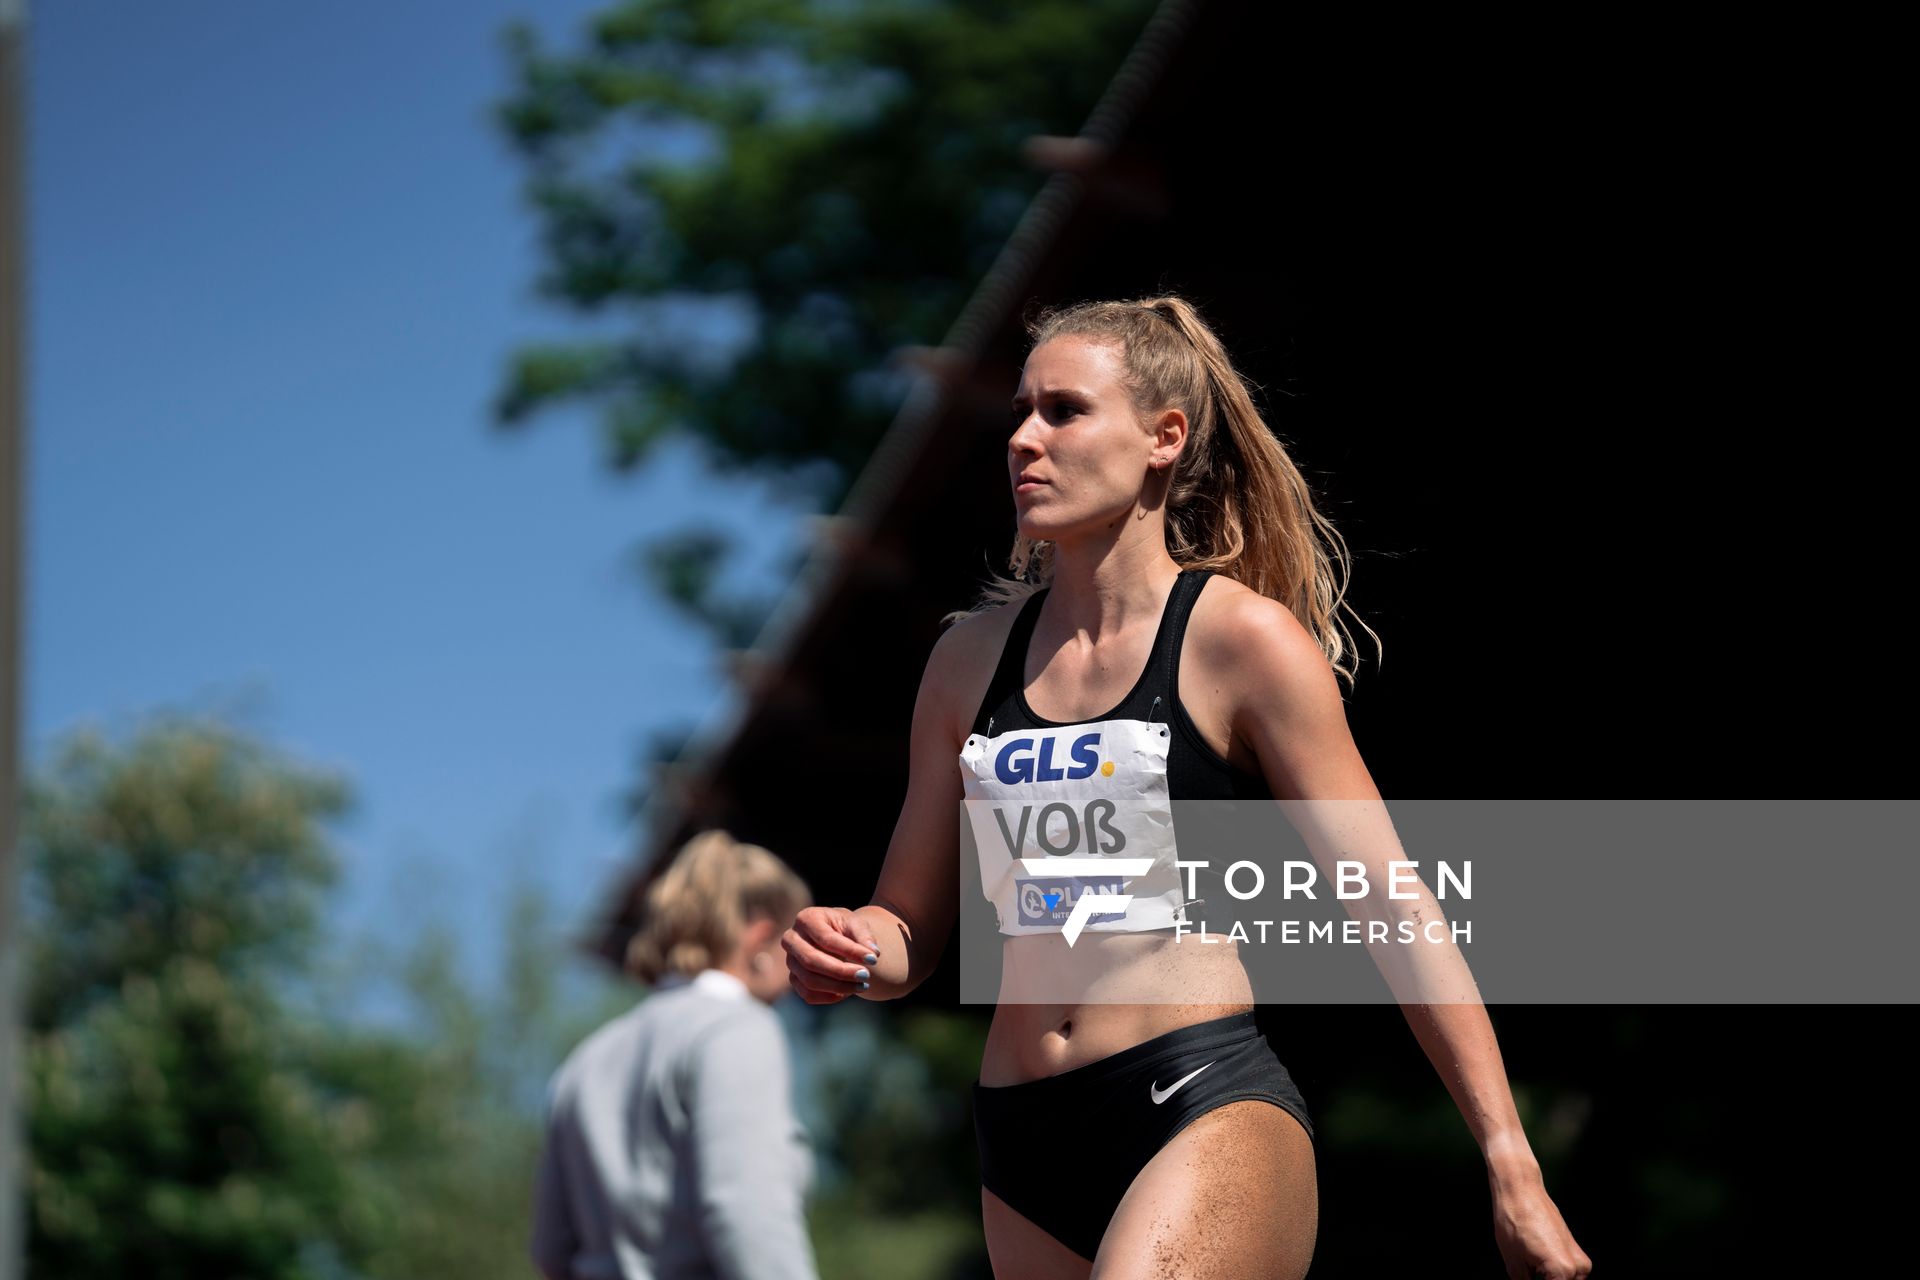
pixel 774 196
pixel 900 1189
pixel 191 844
pixel 197 1104
pixel 172 1129
pixel 459 1101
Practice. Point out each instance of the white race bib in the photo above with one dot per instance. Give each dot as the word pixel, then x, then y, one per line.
pixel 1083 811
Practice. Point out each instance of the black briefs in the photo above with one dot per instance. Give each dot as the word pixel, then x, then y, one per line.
pixel 1062 1150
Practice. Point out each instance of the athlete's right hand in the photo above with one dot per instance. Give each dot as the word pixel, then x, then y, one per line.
pixel 830 953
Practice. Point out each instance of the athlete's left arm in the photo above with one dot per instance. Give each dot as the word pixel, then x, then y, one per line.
pixel 1287 707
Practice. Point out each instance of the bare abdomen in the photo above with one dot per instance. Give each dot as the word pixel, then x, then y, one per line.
pixel 1061 1008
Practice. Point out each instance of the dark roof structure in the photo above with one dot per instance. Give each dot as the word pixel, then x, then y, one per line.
pixel 1202 170
pixel 824 698
pixel 1532 308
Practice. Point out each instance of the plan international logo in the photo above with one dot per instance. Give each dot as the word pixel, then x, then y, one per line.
pixel 1088 893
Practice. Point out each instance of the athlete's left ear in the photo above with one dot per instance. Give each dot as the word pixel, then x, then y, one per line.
pixel 1169 437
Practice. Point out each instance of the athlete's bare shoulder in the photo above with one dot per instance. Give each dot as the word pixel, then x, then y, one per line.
pixel 963 661
pixel 1233 626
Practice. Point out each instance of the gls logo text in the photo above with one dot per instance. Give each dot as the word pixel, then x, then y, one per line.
pixel 1018 762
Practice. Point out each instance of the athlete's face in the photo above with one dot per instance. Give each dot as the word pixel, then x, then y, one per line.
pixel 1079 452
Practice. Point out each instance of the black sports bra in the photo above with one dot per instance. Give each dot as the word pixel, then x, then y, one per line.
pixel 1195 771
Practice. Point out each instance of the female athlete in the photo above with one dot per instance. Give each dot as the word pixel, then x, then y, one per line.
pixel 1169 565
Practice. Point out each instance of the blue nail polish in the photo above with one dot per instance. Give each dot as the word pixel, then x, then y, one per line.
pixel 863 986
pixel 862 974
pixel 872 958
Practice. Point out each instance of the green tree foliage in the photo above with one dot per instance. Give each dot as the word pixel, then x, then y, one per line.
pixel 190 844
pixel 172 1127
pixel 171 1137
pixel 459 1099
pixel 198 1102
pixel 901 1193
pixel 835 177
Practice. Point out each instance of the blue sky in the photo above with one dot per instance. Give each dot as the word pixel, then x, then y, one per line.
pixel 279 256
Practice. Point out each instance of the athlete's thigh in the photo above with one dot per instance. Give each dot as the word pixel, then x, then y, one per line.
pixel 1021 1251
pixel 1234 1196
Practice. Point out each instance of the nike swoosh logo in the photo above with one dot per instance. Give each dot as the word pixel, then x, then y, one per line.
pixel 1160 1096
